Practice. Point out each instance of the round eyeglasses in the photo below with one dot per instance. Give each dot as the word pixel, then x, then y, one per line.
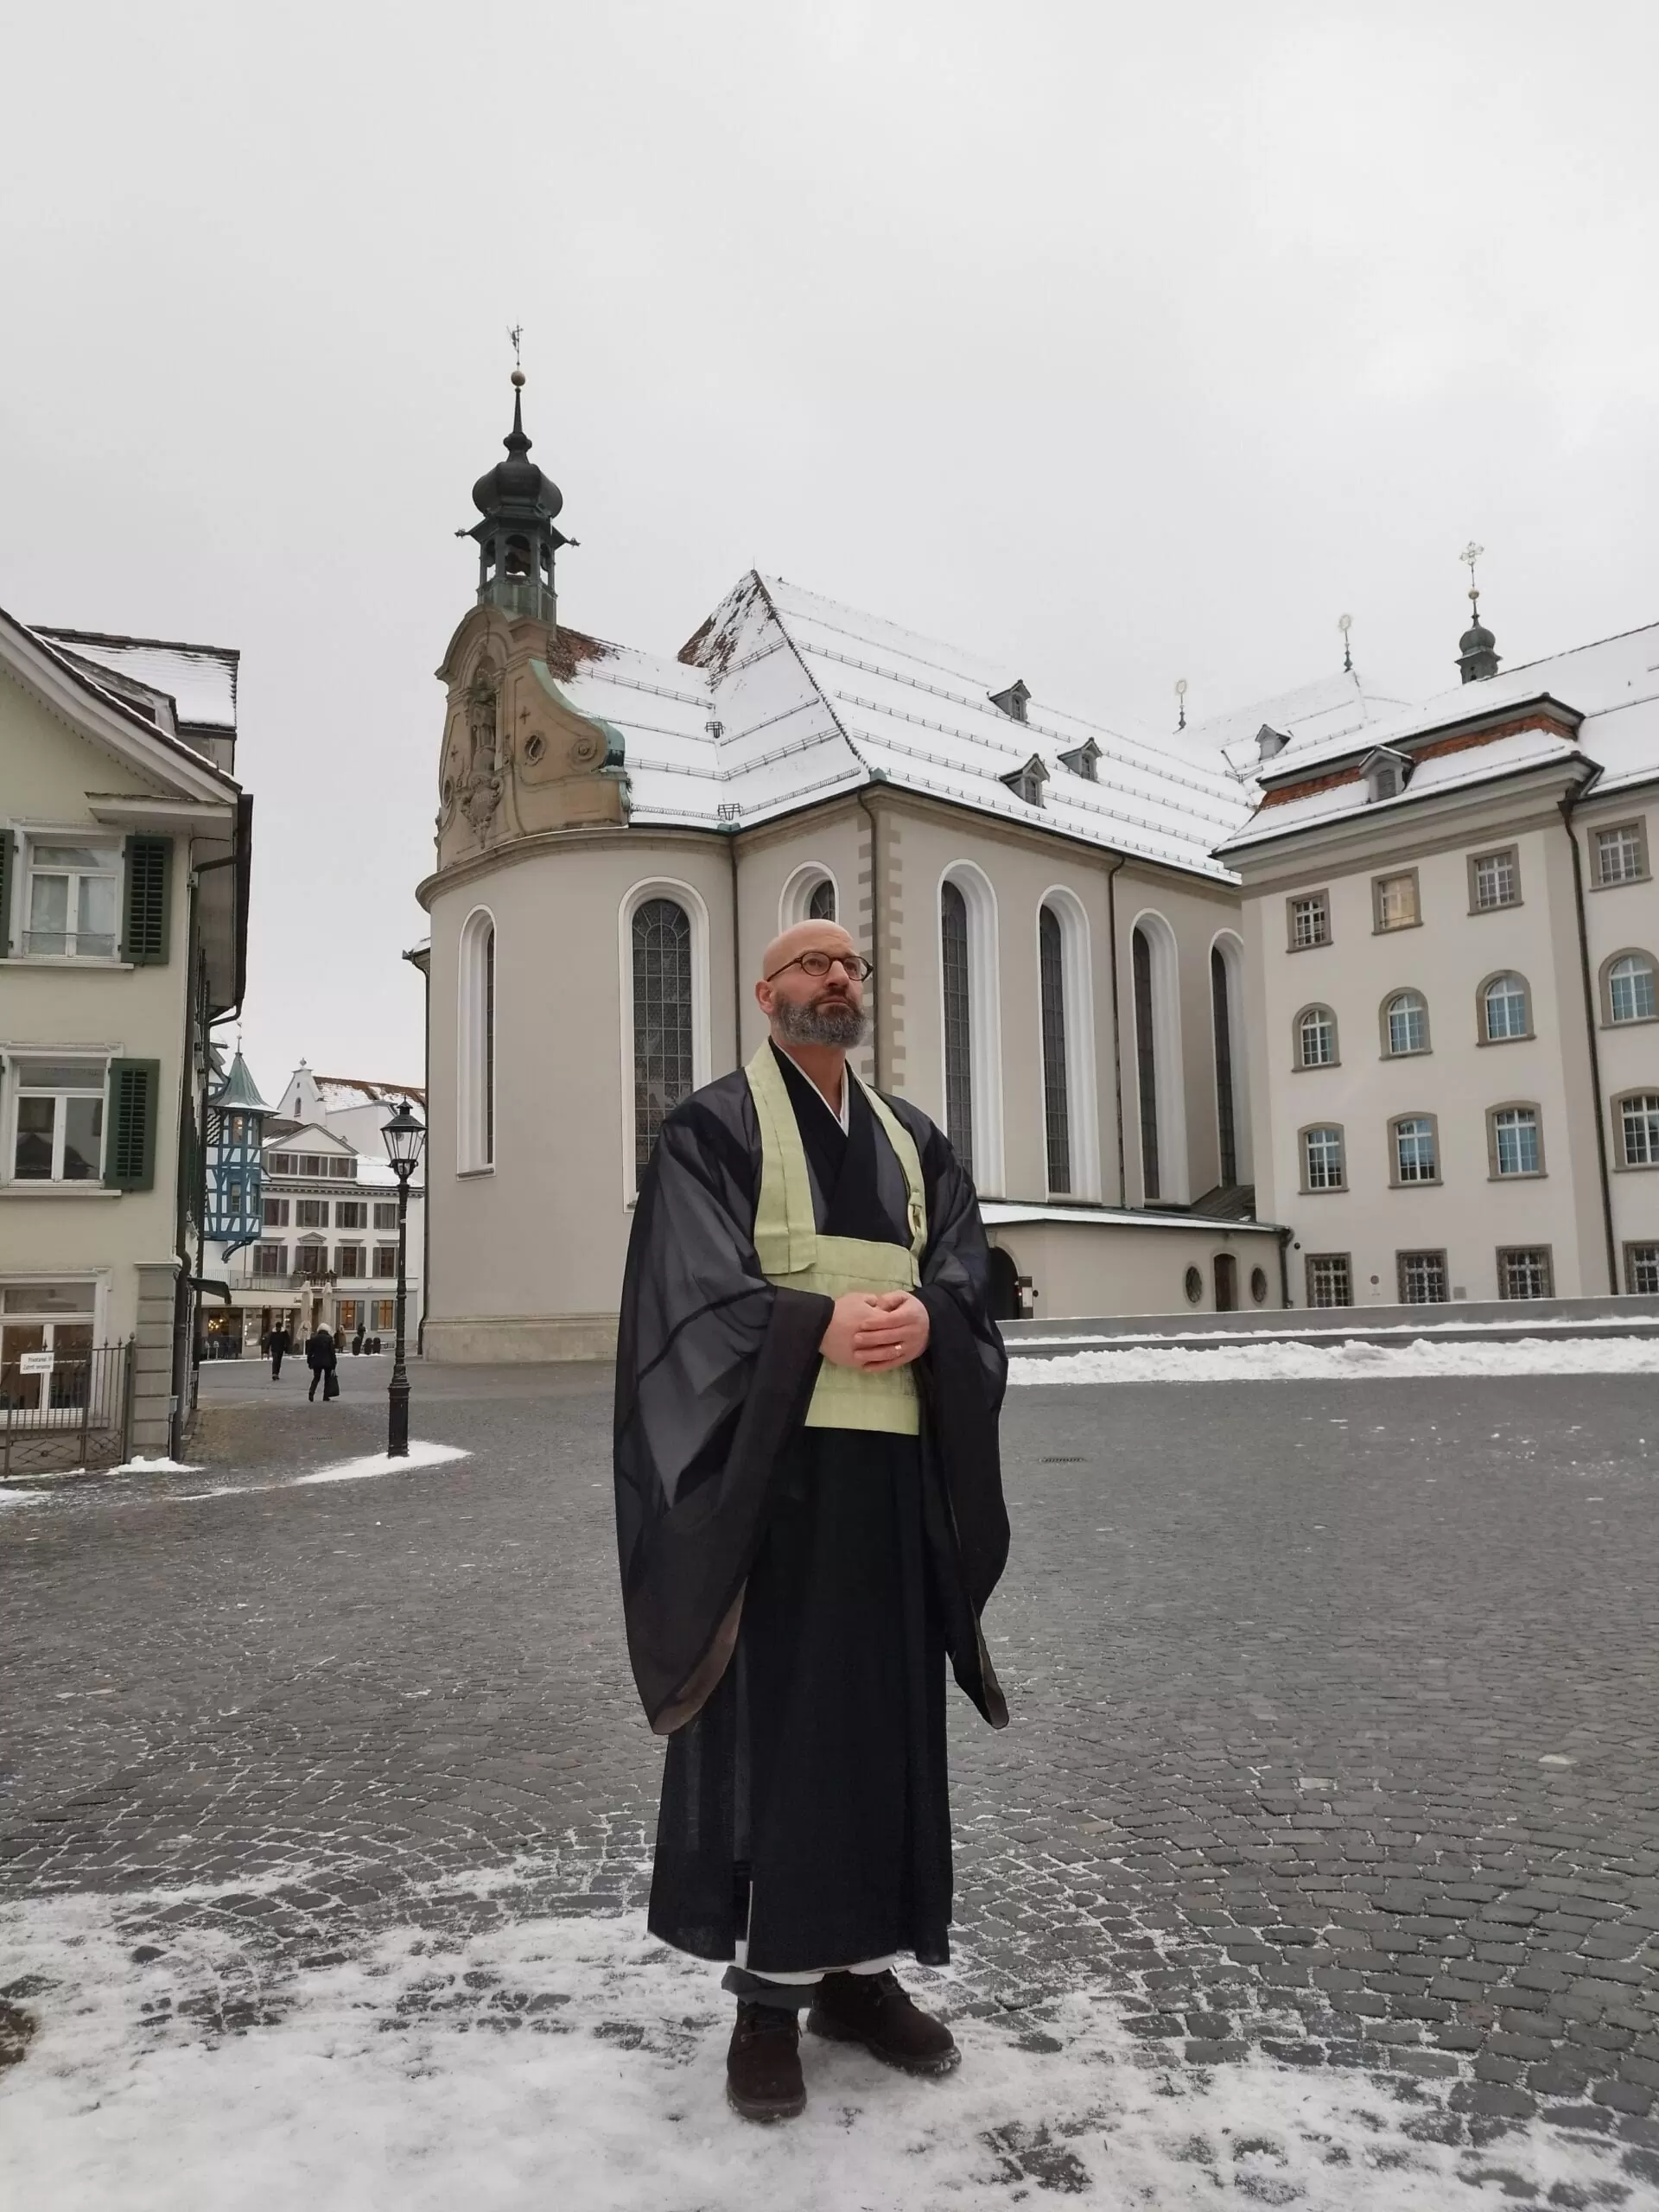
pixel 820 964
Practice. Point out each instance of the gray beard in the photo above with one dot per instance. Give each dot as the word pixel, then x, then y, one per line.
pixel 826 1023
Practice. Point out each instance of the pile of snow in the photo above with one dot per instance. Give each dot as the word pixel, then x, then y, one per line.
pixel 376 2080
pixel 377 1462
pixel 1342 1362
pixel 140 1465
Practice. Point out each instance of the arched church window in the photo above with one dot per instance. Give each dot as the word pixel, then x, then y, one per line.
pixel 1226 1103
pixel 1145 1061
pixel 1057 1127
pixel 821 906
pixel 959 1023
pixel 663 1073
pixel 476 1052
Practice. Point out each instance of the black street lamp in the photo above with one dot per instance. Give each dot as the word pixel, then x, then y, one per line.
pixel 404 1137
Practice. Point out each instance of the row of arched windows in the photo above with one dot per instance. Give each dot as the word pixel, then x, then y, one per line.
pixel 1629 992
pixel 666 1023
pixel 1515 1143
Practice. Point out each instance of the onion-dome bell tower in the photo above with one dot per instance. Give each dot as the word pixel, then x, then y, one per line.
pixel 1477 648
pixel 516 539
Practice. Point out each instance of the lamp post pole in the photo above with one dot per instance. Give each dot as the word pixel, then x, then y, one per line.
pixel 398 1396
pixel 404 1136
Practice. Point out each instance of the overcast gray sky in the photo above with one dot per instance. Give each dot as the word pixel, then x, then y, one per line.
pixel 1127 342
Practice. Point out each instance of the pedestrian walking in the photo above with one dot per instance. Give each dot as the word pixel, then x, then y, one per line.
pixel 281 1343
pixel 810 1517
pixel 321 1359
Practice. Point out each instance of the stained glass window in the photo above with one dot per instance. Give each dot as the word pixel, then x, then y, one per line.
pixel 1225 1112
pixel 1146 1058
pixel 662 1021
pixel 959 1029
pixel 1051 961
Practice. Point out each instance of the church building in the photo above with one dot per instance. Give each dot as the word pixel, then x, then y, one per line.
pixel 1059 960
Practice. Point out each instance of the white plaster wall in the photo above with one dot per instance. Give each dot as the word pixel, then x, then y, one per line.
pixel 1468 1215
pixel 1079 1271
pixel 540 1239
pixel 131 1013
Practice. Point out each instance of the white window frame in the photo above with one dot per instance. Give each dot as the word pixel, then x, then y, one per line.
pixel 1417 1129
pixel 1305 1149
pixel 1324 1018
pixel 20 1278
pixel 1630 836
pixel 796 895
pixel 1615 1019
pixel 1390 1050
pixel 1318 904
pixel 1488 1035
pixel 1078 1006
pixel 984 1018
pixel 11 1061
pixel 1495 1114
pixel 475 1146
pixel 1645 1117
pixel 29 841
pixel 1505 858
pixel 688 896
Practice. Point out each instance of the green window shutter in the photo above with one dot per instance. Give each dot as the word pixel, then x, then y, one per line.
pixel 5 893
pixel 129 1127
pixel 150 901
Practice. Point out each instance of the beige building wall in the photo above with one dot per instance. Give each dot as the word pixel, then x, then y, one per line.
pixel 1623 917
pixel 1133 1267
pixel 1448 957
pixel 526 1255
pixel 124 1240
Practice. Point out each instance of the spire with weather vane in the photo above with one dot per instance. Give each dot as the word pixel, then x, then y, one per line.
pixel 1476 653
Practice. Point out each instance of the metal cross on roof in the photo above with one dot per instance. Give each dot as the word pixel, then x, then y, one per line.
pixel 1471 553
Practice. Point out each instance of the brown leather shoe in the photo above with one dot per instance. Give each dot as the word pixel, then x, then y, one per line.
pixel 763 2066
pixel 872 2009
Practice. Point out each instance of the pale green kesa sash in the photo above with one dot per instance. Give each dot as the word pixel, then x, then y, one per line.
pixel 794 1256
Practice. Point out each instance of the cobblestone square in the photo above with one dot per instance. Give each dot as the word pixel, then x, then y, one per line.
pixel 1334 1752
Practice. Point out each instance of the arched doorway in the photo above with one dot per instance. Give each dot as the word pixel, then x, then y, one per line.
pixel 1226 1283
pixel 1004 1286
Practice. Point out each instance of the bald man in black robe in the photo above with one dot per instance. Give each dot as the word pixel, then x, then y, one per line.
pixel 810 1519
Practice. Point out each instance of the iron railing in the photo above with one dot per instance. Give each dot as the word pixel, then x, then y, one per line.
pixel 79 1414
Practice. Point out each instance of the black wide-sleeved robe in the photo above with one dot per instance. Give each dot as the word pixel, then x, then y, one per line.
pixel 791 1593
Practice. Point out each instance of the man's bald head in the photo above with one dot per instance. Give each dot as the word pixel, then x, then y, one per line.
pixel 805 937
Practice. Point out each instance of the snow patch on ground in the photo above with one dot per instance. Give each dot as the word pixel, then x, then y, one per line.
pixel 377 1463
pixel 161 1466
pixel 20 1497
pixel 1344 1362
pixel 575 2062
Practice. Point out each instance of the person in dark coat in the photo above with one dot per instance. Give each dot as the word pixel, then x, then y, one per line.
pixel 281 1343
pixel 810 1520
pixel 319 1358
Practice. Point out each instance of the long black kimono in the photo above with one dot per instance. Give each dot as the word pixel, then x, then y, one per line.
pixel 791 1593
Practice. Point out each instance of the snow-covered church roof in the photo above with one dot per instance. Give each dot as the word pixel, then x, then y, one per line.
pixel 784 698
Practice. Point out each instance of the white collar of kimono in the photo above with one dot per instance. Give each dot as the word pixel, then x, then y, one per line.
pixel 844 1112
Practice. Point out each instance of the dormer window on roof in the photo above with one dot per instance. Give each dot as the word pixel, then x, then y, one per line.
pixel 1082 761
pixel 1386 772
pixel 1269 741
pixel 1012 702
pixel 1027 783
